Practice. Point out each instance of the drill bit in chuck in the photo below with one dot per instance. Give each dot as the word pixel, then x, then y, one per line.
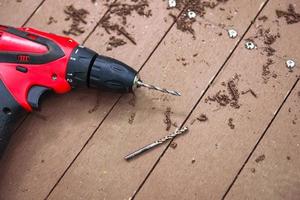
pixel 157 143
pixel 152 87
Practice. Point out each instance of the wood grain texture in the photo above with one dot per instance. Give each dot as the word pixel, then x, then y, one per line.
pixel 100 169
pixel 218 150
pixel 278 175
pixel 49 140
pixel 15 13
pixel 36 146
pixel 41 20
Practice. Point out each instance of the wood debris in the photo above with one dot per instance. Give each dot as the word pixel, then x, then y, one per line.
pixel 230 97
pixel 184 22
pixel 249 91
pixel 291 17
pixel 260 158
pixel 230 123
pixel 78 17
pixel 120 11
pixel 167 119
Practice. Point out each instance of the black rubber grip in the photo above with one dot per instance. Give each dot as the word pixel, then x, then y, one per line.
pixel 111 74
pixel 11 113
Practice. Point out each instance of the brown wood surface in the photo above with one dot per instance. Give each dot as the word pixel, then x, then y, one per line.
pixel 219 151
pixel 49 140
pixel 278 175
pixel 55 10
pixel 103 156
pixel 16 13
pixel 74 147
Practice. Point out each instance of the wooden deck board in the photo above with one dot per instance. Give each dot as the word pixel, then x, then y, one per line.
pixel 41 18
pixel 15 13
pixel 277 175
pixel 44 143
pixel 103 156
pixel 31 146
pixel 219 151
pixel 49 141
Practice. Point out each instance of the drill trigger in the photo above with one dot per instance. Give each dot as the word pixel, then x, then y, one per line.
pixel 35 94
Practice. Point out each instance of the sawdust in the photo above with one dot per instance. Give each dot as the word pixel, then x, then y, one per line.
pixel 78 17
pixel 183 61
pixel 266 73
pixel 263 18
pixel 249 91
pixel 268 39
pixel 120 12
pixel 115 42
pixel 269 50
pixel 185 23
pixel 222 99
pixel 230 97
pixel 260 158
pixel 167 119
pixel 291 17
pixel 230 123
pixel 131 118
pixel 173 145
pixel 233 91
pixel 202 118
pixel 51 20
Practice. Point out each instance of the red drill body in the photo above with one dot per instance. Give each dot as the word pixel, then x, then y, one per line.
pixel 34 62
pixel 21 73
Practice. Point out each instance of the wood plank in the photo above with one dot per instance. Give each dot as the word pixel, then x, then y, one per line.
pixel 15 13
pixel 277 175
pixel 48 141
pixel 217 150
pixel 52 18
pixel 31 148
pixel 100 170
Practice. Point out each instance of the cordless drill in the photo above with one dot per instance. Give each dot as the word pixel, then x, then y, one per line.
pixel 33 62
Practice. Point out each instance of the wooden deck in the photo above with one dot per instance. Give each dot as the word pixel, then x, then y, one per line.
pixel 247 149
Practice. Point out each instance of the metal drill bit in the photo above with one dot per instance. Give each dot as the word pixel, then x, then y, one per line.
pixel 152 87
pixel 156 143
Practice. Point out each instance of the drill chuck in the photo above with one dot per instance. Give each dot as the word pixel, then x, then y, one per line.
pixel 87 68
pixel 112 74
pixel 33 62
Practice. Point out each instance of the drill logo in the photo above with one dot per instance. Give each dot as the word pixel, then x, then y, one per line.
pixel 23 58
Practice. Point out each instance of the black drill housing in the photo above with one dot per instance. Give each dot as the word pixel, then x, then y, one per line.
pixel 87 68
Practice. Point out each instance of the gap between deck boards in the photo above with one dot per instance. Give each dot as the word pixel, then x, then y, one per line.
pixel 201 97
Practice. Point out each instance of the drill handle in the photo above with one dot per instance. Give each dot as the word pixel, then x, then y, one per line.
pixel 11 113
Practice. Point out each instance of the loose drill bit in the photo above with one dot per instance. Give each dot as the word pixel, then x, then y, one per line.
pixel 156 143
pixel 152 87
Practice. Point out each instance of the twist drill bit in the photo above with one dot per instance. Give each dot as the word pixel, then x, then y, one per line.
pixel 152 87
pixel 156 143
